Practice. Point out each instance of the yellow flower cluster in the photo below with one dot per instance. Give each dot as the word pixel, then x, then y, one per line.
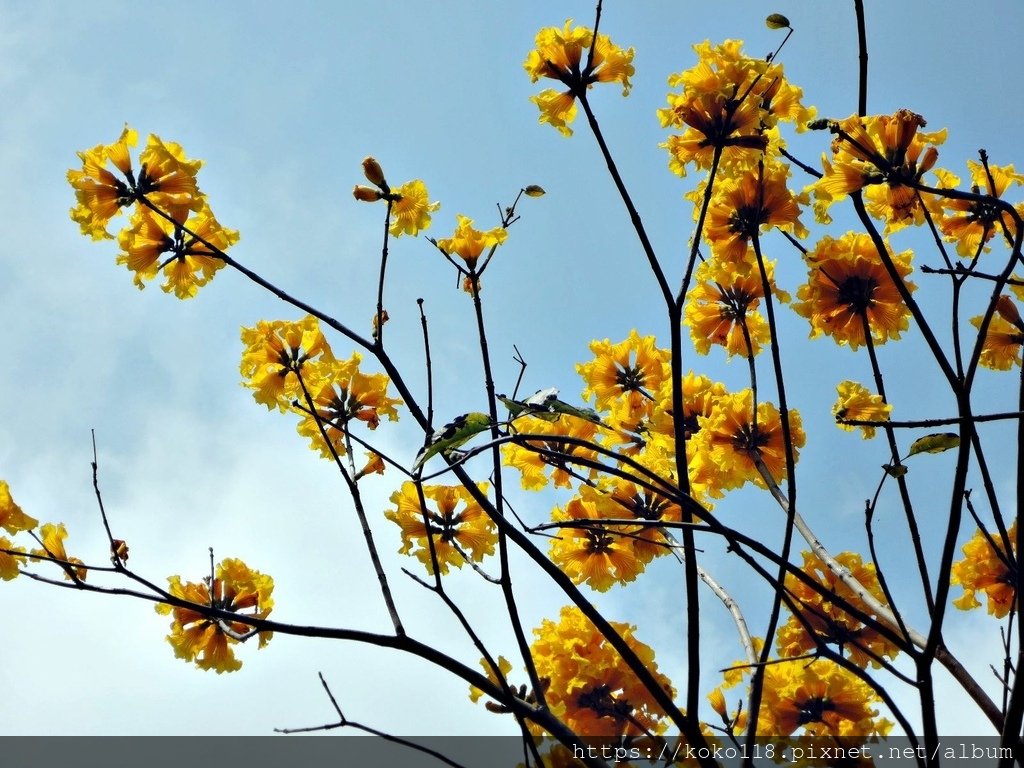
pixel 986 568
pixel 454 526
pixel 728 103
pixel 209 642
pixel 972 223
pixel 819 697
pixel 849 288
pixel 829 623
pixel 171 228
pixel 290 366
pixel 589 687
pixel 857 403
pixel 558 55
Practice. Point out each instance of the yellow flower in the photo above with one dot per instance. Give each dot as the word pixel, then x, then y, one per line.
pixel 411 209
pixel 470 243
pixel 534 458
pixel 727 101
pixel 589 686
pixel 725 297
pixel 856 403
pixel 152 242
pixel 752 202
pixel 593 555
pixel 101 194
pixel 504 667
pixel 12 519
pixel 10 560
pixel 829 623
pixel 1001 348
pixel 53 549
pixel 275 352
pixel 729 441
pixel 457 525
pixel 559 56
pixel 167 178
pixel 968 223
pixel 631 369
pixel 822 698
pixel 341 393
pixel 848 283
pixel 884 150
pixel 237 589
pixel 987 569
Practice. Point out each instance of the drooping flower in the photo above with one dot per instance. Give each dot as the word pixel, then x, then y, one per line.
pixel 52 537
pixel 152 243
pixel 198 638
pixel 469 243
pixel 1001 349
pixel 830 624
pixel 987 568
pixel 590 688
pixel 455 523
pixel 99 193
pixel 848 284
pixel 12 518
pixel 857 403
pixel 559 55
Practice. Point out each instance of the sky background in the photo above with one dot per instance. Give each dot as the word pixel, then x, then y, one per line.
pixel 282 102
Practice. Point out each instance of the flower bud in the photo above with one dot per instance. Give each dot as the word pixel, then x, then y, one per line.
pixel 717 700
pixel 365 194
pixel 534 190
pixel 373 172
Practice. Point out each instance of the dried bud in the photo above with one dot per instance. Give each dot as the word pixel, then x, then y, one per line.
pixel 534 190
pixel 1007 310
pixel 119 551
pixel 373 172
pixel 365 194
pixel 777 21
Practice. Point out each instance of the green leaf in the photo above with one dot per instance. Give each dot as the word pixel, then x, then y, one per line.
pixel 777 21
pixel 895 470
pixel 936 443
pixel 534 190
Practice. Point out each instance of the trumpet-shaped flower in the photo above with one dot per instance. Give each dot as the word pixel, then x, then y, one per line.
pixel 558 55
pixel 209 641
pixel 52 537
pixel 12 518
pixel 454 525
pixel 469 243
pixel 276 353
pixel 988 569
pixel 848 287
pixel 411 209
pixel 857 403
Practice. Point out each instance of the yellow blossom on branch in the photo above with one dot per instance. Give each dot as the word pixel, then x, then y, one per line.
pixel 12 519
pixel 208 641
pixel 987 568
pixel 411 209
pixel 469 243
pixel 1001 349
pixel 857 403
pixel 848 284
pixel 52 537
pixel 10 559
pixel 275 352
pixel 590 688
pixel 455 523
pixel 972 223
pixel 830 624
pixel 559 55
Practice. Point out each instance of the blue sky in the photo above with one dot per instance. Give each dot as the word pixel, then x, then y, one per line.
pixel 282 102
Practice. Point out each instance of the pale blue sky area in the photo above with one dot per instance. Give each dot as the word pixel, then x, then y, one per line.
pixel 282 101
